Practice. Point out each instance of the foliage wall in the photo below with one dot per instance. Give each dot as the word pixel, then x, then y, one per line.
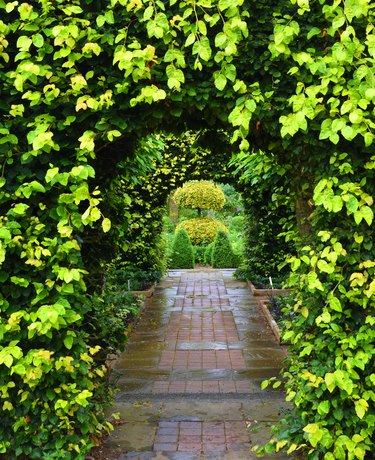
pixel 293 78
pixel 75 77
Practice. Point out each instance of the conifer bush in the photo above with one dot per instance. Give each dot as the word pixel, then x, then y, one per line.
pixel 199 254
pixel 208 254
pixel 182 251
pixel 222 253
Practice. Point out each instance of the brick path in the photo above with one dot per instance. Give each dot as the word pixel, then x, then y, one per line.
pixel 189 381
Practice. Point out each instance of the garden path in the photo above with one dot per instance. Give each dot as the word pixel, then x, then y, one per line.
pixel 189 381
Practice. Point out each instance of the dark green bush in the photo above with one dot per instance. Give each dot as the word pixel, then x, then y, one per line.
pixel 244 273
pixel 222 253
pixel 182 251
pixel 265 247
pixel 236 259
pixel 281 309
pixel 208 254
pixel 199 254
pixel 110 316
pixel 131 280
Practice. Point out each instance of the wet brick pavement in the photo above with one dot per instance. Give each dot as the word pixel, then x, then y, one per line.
pixel 189 381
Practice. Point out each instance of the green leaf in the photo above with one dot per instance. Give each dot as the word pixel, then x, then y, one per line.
pixel 367 214
pixel 106 225
pixel 370 93
pixel 221 40
pixel 81 194
pixel 312 32
pixel 323 407
pixel 325 267
pixel 352 204
pixel 337 203
pixel 190 39
pixel 20 209
pixel 50 174
pixel 335 304
pixel 68 341
pixel 202 27
pixel 230 72
pixel 24 43
pixel 220 81
pixel 148 13
pixel 225 4
pixel 361 407
pixel 38 40
pixel 348 132
pixel 314 433
pixel 204 49
pixel 95 214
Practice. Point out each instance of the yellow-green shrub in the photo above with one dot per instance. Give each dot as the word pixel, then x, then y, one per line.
pixel 202 230
pixel 202 194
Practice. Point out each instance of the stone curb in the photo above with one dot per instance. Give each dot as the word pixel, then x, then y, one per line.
pixel 265 292
pixel 272 323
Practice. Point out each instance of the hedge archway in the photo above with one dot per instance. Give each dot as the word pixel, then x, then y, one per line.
pixel 293 78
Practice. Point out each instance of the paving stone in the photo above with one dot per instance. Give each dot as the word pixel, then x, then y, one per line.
pixel 189 381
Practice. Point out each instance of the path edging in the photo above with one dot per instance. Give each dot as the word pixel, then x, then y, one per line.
pixel 265 292
pixel 271 322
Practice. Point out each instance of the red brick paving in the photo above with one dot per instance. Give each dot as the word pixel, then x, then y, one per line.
pixel 201 359
pixel 202 326
pixel 200 302
pixel 202 342
pixel 201 436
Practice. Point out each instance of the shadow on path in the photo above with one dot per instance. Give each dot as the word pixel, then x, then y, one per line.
pixel 189 381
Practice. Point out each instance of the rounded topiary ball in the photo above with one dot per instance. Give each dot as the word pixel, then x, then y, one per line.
pixel 202 194
pixel 202 230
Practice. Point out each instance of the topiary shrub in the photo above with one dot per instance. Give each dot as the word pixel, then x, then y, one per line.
pixel 208 254
pixel 182 251
pixel 199 252
pixel 200 195
pixel 222 253
pixel 202 230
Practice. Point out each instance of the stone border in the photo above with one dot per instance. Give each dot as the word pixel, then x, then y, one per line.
pixel 265 292
pixel 271 322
